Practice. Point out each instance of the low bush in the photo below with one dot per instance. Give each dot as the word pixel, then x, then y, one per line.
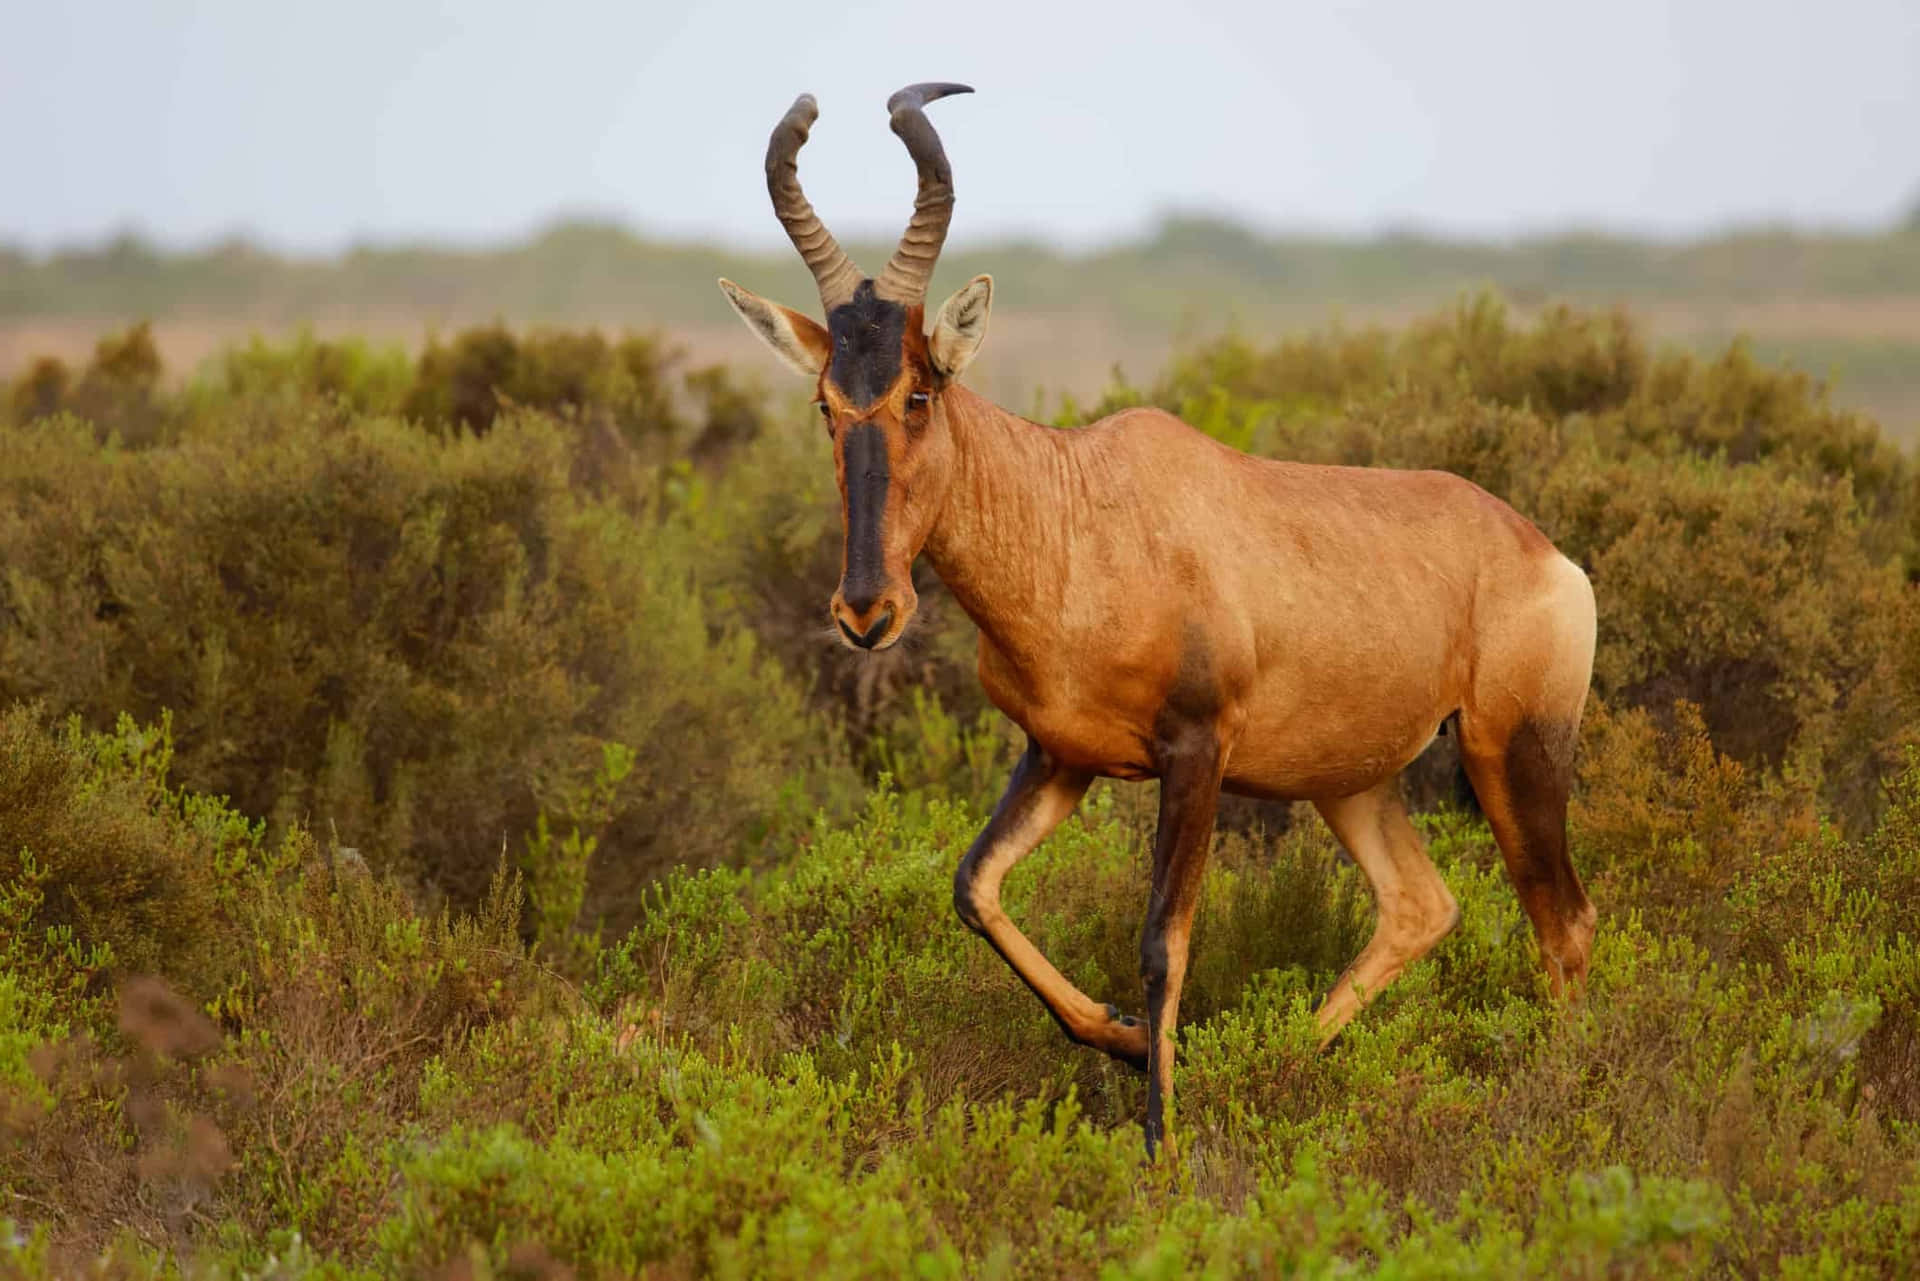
pixel 431 845
pixel 813 1068
pixel 415 645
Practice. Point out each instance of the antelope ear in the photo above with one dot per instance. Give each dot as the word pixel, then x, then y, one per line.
pixel 961 326
pixel 796 339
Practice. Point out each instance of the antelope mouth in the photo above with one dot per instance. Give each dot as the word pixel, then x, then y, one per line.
pixel 880 636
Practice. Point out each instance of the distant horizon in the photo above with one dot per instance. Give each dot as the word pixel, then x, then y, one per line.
pixel 1146 232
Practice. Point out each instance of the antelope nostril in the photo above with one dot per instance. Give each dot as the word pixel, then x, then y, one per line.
pixel 858 602
pixel 872 636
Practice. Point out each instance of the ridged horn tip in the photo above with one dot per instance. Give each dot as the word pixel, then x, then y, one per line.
pixel 907 274
pixel 921 94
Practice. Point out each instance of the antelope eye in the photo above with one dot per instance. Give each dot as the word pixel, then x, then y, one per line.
pixel 919 400
pixel 821 405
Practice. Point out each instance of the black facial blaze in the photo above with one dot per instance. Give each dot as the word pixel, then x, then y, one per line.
pixel 868 333
pixel 865 452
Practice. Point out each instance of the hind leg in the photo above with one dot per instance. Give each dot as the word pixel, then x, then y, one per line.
pixel 1518 728
pixel 1415 909
pixel 1522 776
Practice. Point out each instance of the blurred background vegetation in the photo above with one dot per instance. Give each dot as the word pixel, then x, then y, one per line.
pixel 1841 306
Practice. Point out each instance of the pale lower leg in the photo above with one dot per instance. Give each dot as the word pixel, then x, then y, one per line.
pixel 1415 909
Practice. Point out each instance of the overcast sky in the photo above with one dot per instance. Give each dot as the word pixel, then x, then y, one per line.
pixel 312 125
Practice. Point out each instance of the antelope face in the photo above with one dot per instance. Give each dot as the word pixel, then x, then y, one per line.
pixel 879 375
pixel 893 456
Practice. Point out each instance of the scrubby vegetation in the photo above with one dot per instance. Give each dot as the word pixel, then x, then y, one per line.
pixel 438 837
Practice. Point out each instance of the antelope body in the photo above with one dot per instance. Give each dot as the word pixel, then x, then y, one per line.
pixel 1154 604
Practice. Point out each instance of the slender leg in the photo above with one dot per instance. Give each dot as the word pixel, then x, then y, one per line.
pixel 1415 909
pixel 1040 795
pixel 1189 794
pixel 1522 779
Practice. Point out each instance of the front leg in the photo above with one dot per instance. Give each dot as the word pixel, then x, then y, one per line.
pixel 1040 795
pixel 1192 762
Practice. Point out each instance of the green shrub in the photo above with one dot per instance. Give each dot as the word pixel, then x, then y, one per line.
pixel 625 386
pixel 413 644
pixel 812 1066
pixel 118 391
pixel 1745 591
pixel 109 861
pixel 735 1026
pixel 40 391
pixel 350 376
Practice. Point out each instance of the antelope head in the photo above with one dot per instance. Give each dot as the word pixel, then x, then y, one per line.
pixel 879 373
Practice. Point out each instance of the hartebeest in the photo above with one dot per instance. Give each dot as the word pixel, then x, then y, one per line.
pixel 1154 604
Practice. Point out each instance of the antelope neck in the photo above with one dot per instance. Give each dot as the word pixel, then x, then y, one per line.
pixel 1000 543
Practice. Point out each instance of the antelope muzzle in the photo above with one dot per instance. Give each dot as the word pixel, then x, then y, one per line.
pixel 875 599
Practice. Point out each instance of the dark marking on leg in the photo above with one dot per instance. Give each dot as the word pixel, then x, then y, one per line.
pixel 1016 805
pixel 1523 787
pixel 1038 796
pixel 1190 758
pixel 1538 770
pixel 1189 796
pixel 1195 697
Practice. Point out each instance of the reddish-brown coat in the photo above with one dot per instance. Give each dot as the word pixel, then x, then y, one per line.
pixel 1153 604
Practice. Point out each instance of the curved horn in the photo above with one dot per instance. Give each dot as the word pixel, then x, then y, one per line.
pixel 910 269
pixel 832 270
